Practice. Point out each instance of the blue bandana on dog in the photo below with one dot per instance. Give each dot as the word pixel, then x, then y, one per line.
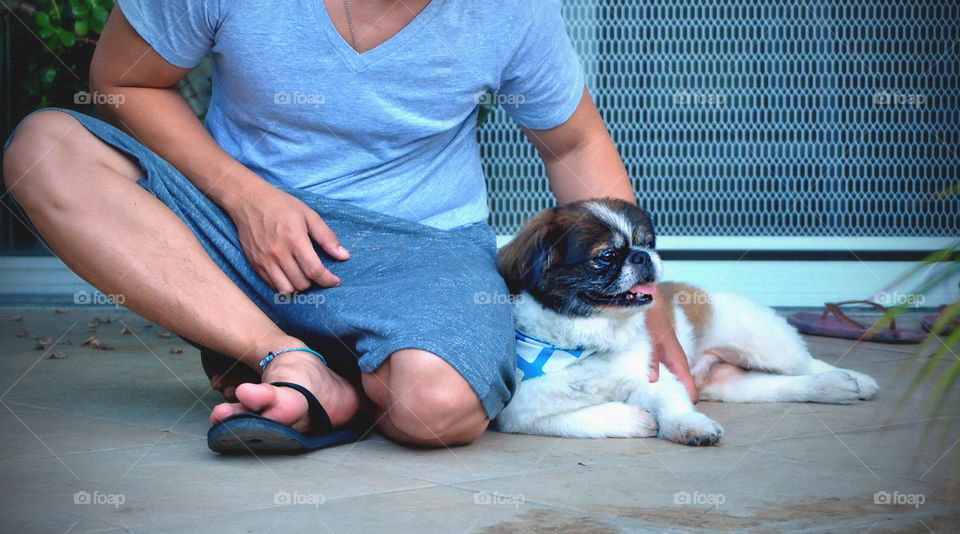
pixel 536 357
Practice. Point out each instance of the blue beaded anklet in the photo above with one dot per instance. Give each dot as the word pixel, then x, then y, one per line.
pixel 270 356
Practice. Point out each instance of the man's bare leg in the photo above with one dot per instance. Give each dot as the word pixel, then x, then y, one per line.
pixel 82 196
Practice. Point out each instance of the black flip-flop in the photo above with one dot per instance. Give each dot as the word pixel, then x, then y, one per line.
pixel 250 433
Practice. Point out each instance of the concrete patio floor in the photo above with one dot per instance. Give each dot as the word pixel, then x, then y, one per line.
pixel 114 441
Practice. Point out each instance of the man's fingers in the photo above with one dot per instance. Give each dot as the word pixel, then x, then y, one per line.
pixel 691 390
pixel 683 375
pixel 324 236
pixel 291 269
pixel 312 266
pixel 277 280
pixel 655 357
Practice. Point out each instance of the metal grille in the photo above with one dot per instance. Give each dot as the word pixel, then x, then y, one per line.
pixel 764 118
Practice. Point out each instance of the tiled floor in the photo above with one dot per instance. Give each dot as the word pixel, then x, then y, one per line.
pixel 114 441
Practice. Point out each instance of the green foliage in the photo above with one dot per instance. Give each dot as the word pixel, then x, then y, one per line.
pixel 944 348
pixel 57 68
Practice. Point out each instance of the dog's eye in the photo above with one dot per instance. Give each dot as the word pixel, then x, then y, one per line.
pixel 606 257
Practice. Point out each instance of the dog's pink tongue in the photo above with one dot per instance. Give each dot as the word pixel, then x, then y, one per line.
pixel 643 289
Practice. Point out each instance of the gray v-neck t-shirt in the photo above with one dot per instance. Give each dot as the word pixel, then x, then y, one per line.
pixel 393 129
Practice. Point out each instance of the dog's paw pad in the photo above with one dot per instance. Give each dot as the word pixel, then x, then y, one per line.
pixel 691 428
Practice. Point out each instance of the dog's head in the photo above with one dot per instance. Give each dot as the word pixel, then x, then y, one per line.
pixel 585 258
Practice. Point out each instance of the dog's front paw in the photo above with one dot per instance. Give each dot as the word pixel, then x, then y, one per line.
pixel 690 428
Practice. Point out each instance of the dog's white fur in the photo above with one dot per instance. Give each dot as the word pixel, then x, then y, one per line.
pixel 745 353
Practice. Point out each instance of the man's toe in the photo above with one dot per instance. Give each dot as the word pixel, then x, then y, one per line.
pixel 225 410
pixel 283 405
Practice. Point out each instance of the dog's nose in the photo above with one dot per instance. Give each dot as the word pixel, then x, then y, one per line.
pixel 639 257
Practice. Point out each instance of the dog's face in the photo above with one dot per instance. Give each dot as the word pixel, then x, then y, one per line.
pixel 585 258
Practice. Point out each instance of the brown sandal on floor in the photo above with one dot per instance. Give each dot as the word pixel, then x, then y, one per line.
pixel 834 323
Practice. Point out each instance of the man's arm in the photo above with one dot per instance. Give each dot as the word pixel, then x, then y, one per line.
pixel 582 162
pixel 581 159
pixel 275 228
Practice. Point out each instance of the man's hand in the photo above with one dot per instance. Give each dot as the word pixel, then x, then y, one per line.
pixel 276 230
pixel 667 349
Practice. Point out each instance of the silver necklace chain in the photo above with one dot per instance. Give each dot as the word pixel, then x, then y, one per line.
pixel 353 34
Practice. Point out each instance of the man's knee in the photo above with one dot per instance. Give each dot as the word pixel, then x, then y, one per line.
pixel 38 154
pixel 46 155
pixel 430 401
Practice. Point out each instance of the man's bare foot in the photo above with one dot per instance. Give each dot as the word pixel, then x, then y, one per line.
pixel 286 405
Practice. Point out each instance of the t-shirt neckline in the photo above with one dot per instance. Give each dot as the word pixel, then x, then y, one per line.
pixel 363 60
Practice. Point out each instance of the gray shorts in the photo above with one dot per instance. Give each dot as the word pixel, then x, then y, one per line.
pixel 406 285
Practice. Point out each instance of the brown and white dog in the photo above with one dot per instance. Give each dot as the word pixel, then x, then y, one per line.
pixel 582 276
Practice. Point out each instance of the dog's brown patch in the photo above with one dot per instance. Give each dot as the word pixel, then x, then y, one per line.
pixel 694 302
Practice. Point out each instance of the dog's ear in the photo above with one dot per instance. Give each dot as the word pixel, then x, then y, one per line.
pixel 534 249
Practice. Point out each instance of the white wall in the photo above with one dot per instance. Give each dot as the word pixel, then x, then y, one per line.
pixel 775 283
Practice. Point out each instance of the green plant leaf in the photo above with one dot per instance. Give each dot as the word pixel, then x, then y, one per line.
pixel 43 21
pixel 79 8
pixel 80 27
pixel 96 26
pixel 56 15
pixel 49 74
pixel 67 38
pixel 937 356
pixel 941 392
pixel 100 14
